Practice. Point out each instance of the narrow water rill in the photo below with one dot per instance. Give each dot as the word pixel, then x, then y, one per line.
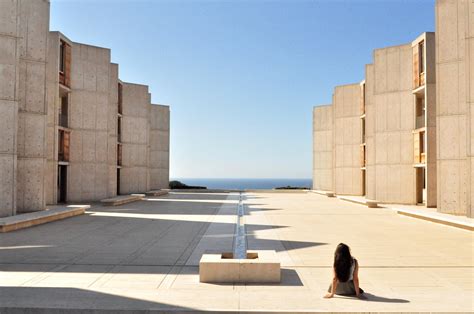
pixel 241 265
pixel 240 239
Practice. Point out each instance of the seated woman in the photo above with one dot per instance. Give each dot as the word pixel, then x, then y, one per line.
pixel 346 274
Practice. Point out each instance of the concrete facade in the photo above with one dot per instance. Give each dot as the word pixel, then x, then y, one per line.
pixel 59 119
pixel 91 82
pixel 159 147
pixel 323 168
pixel 455 90
pixel 23 45
pixel 135 138
pixel 392 104
pixel 347 140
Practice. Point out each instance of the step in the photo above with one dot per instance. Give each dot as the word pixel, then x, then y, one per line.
pixel 26 220
pixel 445 219
pixel 157 192
pixel 359 200
pixel 122 199
pixel 325 193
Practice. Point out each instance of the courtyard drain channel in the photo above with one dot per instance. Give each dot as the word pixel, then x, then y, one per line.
pixel 240 241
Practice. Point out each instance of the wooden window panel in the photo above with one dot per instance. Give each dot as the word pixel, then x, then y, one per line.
pixel 416 67
pixel 67 65
pixel 67 142
pixel 416 148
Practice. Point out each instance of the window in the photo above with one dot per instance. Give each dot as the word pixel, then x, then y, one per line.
pixel 120 99
pixel 421 53
pixel 419 65
pixel 63 112
pixel 119 154
pixel 119 129
pixel 64 64
pixel 62 55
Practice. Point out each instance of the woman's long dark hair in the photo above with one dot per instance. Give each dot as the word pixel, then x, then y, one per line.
pixel 342 262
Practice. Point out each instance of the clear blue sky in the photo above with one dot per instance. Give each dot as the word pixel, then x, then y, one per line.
pixel 242 76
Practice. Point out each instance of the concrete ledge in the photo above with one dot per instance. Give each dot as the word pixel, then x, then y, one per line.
pixel 259 267
pixel 325 193
pixel 122 199
pixel 360 200
pixel 445 219
pixel 157 192
pixel 26 220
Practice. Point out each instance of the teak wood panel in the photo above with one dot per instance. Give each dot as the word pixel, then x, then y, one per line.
pixel 416 67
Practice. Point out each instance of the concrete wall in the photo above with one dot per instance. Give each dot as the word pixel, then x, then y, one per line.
pixel 370 115
pixel 323 167
pixel 112 130
pixel 454 86
pixel 159 147
pixel 347 140
pixel 135 135
pixel 430 99
pixel 469 46
pixel 88 173
pixel 390 122
pixel 23 43
pixel 9 66
pixel 31 144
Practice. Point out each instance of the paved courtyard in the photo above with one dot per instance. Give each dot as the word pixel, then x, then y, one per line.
pixel 144 256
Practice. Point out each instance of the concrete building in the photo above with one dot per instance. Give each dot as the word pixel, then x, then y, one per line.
pixel 23 46
pixel 386 134
pixel 454 115
pixel 323 164
pixel 347 140
pixel 71 130
pixel 415 121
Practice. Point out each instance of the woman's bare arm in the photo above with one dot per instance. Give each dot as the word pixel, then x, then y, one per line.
pixel 333 286
pixel 356 278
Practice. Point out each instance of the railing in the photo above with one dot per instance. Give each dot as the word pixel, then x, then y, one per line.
pixel 63 120
pixel 420 122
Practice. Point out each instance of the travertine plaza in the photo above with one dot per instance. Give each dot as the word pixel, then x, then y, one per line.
pixel 404 135
pixel 71 130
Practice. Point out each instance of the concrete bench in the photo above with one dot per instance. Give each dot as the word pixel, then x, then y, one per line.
pixel 371 204
pixel 157 192
pixel 260 266
pixel 26 220
pixel 122 199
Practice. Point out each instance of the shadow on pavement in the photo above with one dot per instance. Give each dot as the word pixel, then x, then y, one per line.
pixel 73 300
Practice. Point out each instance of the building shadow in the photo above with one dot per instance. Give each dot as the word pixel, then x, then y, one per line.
pixel 74 300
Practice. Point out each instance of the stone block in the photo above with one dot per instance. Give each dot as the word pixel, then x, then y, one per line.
pixel 259 267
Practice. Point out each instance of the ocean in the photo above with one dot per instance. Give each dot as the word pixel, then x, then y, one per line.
pixel 243 184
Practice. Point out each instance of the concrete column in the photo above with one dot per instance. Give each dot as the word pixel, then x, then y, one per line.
pixel 347 140
pixel 453 111
pixel 9 67
pixel 323 148
pixel 135 139
pixel 31 138
pixel 159 147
